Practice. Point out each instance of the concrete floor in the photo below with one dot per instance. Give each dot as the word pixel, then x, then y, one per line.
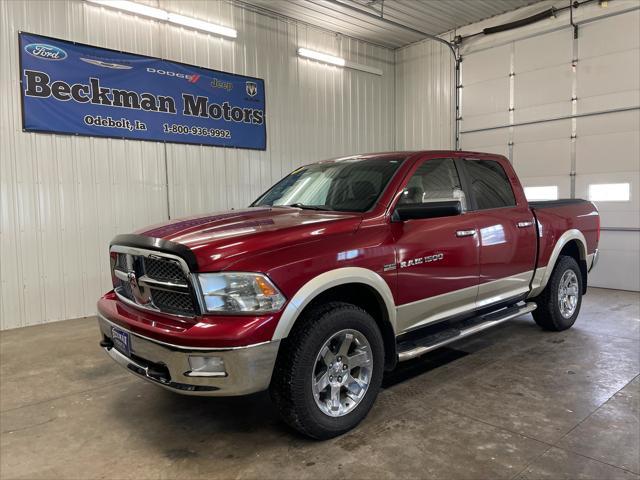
pixel 514 402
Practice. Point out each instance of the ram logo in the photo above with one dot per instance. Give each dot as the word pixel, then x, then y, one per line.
pixel 252 89
pixel 140 293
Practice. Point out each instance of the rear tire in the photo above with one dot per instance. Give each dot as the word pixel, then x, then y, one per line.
pixel 336 341
pixel 560 301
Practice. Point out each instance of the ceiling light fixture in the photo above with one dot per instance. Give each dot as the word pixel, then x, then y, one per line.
pixel 159 14
pixel 322 57
pixel 338 61
pixel 202 25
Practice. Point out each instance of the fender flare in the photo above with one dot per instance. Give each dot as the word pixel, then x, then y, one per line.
pixel 324 282
pixel 542 275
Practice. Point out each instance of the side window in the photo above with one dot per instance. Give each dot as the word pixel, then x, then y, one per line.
pixel 434 181
pixel 489 184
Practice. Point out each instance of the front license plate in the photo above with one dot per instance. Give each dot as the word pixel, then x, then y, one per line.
pixel 121 341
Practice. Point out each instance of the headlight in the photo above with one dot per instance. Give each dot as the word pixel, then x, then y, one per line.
pixel 236 292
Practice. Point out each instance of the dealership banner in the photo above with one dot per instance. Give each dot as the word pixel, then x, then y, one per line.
pixel 78 89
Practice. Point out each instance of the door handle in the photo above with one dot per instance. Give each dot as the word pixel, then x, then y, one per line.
pixel 525 224
pixel 465 233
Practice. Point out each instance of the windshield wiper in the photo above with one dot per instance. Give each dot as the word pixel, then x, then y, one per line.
pixel 310 207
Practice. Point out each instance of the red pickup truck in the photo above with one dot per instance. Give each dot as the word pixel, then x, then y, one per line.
pixel 338 272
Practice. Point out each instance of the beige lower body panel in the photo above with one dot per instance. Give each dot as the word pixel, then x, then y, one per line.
pixel 536 283
pixel 500 290
pixel 416 314
pixel 423 312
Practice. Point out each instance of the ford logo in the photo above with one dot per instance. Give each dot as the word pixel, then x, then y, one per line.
pixel 48 52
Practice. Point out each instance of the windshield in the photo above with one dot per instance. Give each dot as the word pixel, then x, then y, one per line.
pixel 350 185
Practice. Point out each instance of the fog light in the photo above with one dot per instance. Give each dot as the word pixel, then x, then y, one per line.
pixel 206 367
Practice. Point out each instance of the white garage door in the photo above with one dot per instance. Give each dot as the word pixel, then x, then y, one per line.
pixel 566 113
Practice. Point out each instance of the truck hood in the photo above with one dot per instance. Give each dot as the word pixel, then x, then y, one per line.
pixel 219 239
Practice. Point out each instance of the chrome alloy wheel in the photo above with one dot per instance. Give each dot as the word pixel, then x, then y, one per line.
pixel 568 293
pixel 342 373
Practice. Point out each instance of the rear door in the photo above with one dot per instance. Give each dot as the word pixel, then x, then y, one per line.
pixel 437 258
pixel 506 231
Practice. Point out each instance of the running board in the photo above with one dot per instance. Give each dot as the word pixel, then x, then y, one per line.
pixel 412 349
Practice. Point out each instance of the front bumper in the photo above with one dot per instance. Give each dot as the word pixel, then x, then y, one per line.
pixel 247 369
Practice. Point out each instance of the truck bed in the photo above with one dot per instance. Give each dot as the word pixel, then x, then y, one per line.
pixel 561 202
pixel 557 217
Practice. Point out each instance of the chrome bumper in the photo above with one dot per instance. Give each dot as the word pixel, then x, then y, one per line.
pixel 247 369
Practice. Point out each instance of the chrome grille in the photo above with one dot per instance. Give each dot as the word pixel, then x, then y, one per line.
pixel 171 301
pixel 164 270
pixel 121 262
pixel 124 288
pixel 154 282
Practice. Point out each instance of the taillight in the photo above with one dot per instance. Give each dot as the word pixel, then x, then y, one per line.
pixel 598 236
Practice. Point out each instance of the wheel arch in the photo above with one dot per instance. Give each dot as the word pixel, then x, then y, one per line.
pixel 571 243
pixel 356 285
pixel 573 248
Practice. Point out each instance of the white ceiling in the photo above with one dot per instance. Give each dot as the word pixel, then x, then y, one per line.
pixel 353 17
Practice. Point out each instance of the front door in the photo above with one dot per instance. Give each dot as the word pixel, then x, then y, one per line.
pixel 437 258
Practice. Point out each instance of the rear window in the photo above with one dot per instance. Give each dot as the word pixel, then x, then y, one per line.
pixel 489 184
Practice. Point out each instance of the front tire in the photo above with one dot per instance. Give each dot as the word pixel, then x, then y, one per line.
pixel 560 301
pixel 329 370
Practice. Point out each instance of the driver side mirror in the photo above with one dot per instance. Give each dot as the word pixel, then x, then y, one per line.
pixel 417 211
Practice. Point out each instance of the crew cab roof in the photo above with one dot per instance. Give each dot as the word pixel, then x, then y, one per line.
pixel 409 153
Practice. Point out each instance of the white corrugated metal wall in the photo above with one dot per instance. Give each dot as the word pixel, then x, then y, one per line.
pixel 424 107
pixel 531 75
pixel 63 198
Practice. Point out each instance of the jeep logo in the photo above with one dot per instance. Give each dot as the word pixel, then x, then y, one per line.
pixel 44 51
